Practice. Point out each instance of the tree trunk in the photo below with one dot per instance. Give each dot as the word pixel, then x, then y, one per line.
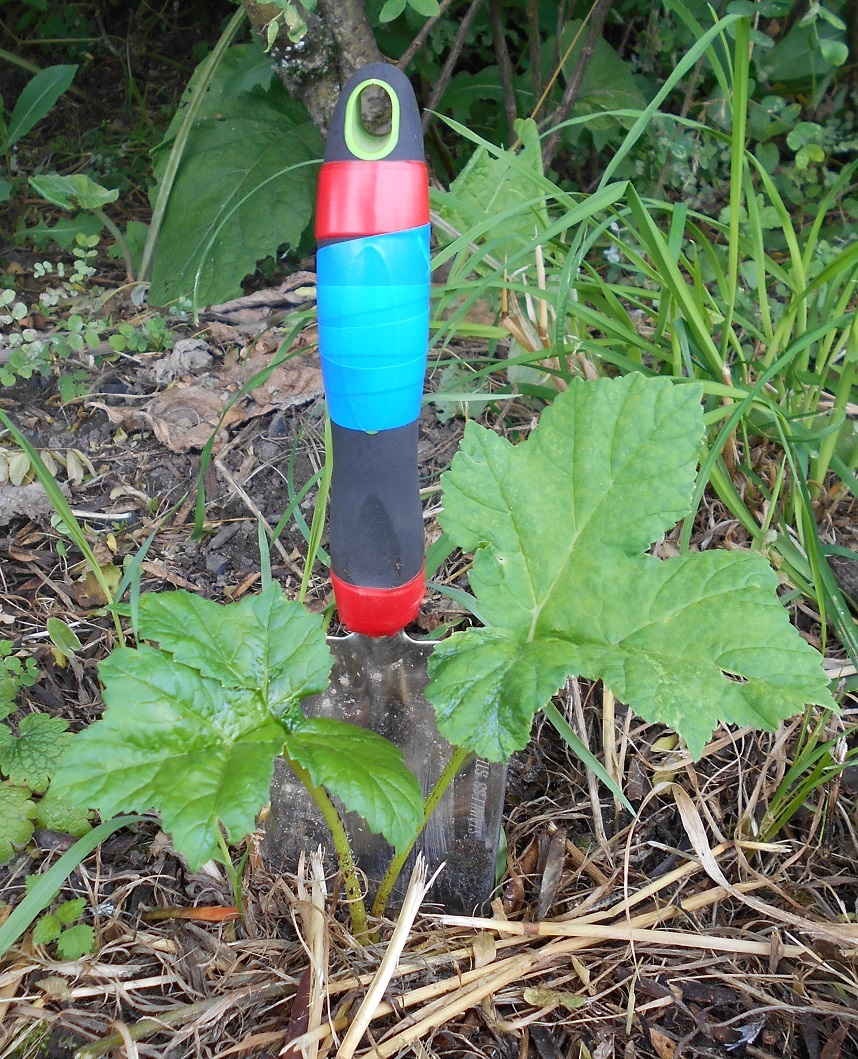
pixel 338 42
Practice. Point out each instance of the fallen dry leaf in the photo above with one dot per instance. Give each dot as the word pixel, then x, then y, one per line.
pixel 184 417
pixel 665 1047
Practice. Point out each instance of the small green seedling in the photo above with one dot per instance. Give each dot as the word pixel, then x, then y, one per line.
pixel 151 337
pixel 60 928
pixel 80 192
pixel 15 673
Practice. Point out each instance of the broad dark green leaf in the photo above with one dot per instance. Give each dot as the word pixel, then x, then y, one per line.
pixel 238 195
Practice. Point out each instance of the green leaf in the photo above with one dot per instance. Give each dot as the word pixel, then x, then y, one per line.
pixel 66 230
pixel 264 642
pixel 75 942
pixel 63 637
pixel 72 192
pixel 56 815
pixel 69 911
pixel 392 9
pixel 427 8
pixel 16 819
pixel 178 742
pixel 47 929
pixel 493 185
pixel 243 188
pixel 39 95
pixel 835 52
pixel 30 758
pixel 560 525
pixel 365 771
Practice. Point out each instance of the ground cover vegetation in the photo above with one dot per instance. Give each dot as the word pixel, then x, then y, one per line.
pixel 638 459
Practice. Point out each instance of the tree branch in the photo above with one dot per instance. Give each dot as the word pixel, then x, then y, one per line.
pixel 418 42
pixel 507 74
pixel 597 15
pixel 453 57
pixel 338 42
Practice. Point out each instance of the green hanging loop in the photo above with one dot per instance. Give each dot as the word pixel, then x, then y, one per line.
pixel 360 141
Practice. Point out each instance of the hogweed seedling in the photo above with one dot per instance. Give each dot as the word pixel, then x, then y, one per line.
pixel 216 702
pixel 60 928
pixel 560 525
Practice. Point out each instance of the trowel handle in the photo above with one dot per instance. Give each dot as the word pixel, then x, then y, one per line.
pixel 372 227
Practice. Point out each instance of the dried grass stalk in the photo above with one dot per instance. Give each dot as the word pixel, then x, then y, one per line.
pixel 417 890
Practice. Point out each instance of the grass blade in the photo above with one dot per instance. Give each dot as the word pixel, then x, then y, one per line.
pixel 583 753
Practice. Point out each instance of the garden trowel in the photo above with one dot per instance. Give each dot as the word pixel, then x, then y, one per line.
pixel 372 228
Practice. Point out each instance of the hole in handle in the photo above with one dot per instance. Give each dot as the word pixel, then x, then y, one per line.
pixel 361 141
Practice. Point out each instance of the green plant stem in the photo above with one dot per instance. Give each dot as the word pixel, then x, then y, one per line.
pixel 17 60
pixel 342 847
pixel 234 876
pixel 398 863
pixel 120 242
pixel 178 149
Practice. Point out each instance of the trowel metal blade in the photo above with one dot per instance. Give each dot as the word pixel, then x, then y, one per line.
pixel 379 683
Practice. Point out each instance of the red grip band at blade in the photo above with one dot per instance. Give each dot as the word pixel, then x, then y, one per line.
pixel 357 198
pixel 378 611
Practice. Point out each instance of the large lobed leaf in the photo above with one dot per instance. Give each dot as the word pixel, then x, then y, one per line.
pixel 192 730
pixel 560 525
pixel 237 195
pixel 175 741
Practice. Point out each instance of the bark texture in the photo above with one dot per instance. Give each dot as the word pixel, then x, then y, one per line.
pixel 338 42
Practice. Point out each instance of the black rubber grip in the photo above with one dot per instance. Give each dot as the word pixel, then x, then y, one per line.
pixel 376 527
pixel 409 145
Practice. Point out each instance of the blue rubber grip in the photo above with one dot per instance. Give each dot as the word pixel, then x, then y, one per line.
pixel 373 303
